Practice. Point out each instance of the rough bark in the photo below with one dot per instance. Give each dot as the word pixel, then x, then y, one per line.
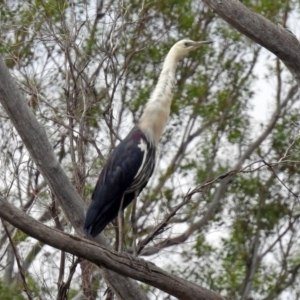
pixel 122 263
pixel 40 149
pixel 273 37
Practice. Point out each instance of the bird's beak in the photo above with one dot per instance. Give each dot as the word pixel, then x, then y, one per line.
pixel 198 44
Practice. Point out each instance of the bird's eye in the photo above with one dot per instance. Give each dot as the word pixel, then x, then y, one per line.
pixel 186 44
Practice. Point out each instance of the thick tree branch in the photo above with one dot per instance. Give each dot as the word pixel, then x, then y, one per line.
pixel 262 31
pixel 36 141
pixel 119 262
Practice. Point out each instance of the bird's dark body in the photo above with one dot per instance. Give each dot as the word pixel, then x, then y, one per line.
pixel 125 173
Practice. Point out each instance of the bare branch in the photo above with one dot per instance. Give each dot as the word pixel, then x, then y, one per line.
pixel 36 141
pixel 64 287
pixel 262 31
pixel 21 271
pixel 118 262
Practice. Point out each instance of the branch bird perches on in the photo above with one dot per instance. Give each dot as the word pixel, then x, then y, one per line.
pixel 131 164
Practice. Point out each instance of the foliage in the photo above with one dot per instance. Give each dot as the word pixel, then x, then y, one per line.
pixel 8 293
pixel 87 72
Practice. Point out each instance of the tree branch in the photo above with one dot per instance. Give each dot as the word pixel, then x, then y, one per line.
pixel 262 31
pixel 122 263
pixel 37 143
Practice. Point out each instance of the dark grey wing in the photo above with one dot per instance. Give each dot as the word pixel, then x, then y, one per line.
pixel 116 177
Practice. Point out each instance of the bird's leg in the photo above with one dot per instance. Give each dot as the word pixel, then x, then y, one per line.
pixel 133 224
pixel 120 226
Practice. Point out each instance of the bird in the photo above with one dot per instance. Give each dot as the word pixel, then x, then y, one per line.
pixel 131 164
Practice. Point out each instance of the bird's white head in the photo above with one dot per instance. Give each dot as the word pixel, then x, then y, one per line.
pixel 155 116
pixel 183 47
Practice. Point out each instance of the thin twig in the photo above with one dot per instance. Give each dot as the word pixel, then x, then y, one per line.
pixel 297 196
pixel 120 226
pixel 21 271
pixel 187 198
pixel 133 224
pixel 64 287
pixel 159 228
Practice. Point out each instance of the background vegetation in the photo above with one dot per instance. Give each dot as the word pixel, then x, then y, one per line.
pixel 86 69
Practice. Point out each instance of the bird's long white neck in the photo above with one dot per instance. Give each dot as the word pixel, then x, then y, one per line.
pixel 157 110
